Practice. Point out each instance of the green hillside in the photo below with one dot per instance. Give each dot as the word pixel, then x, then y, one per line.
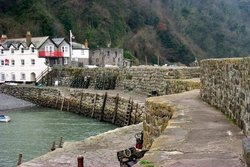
pixel 171 30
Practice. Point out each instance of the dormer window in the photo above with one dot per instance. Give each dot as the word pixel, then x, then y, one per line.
pixel 32 49
pixel 49 48
pixel 12 51
pixel 64 49
pixel 1 51
pixel 22 50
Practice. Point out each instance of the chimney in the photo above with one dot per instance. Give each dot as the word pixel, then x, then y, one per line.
pixel 3 38
pixel 86 43
pixel 28 38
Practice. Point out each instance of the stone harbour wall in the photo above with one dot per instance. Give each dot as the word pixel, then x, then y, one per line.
pixel 158 114
pixel 164 80
pixel 87 104
pixel 225 85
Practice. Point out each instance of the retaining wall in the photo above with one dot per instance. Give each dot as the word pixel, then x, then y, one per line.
pixel 225 84
pixel 164 80
pixel 159 112
pixel 87 104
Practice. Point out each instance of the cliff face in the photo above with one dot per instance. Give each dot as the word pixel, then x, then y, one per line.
pixel 175 31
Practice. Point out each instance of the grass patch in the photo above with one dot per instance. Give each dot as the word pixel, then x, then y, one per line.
pixel 146 163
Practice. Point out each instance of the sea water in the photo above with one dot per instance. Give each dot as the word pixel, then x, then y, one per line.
pixel 31 132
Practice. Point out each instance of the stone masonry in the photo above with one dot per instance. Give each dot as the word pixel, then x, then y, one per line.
pixel 78 101
pixel 157 116
pixel 164 80
pixel 225 85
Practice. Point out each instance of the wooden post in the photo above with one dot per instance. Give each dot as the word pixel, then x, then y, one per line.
pixel 80 105
pixel 57 99
pixel 94 105
pixel 130 112
pixel 136 110
pixel 61 142
pixel 103 106
pixel 19 161
pixel 68 104
pixel 127 112
pixel 47 78
pixel 116 108
pixel 62 104
pixel 42 78
pixel 53 146
pixel 80 161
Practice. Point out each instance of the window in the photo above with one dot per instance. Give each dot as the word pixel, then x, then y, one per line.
pixel 12 62
pixel 65 49
pixel 108 53
pixel 12 51
pixel 22 50
pixel 13 77
pixel 33 62
pixel 2 77
pixel 23 77
pixel 83 52
pixel 2 62
pixel 115 54
pixel 32 49
pixel 49 48
pixel 22 62
pixel 65 61
pixel 7 62
pixel 1 51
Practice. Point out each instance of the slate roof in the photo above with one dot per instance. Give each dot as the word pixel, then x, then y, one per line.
pixel 16 42
pixel 57 41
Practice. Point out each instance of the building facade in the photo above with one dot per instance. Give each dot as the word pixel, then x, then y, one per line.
pixel 107 56
pixel 25 59
pixel 80 54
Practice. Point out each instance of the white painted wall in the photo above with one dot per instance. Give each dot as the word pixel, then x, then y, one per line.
pixel 80 53
pixel 18 69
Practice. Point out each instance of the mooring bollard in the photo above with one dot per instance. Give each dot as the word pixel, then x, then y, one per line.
pixel 19 161
pixel 53 146
pixel 61 142
pixel 80 161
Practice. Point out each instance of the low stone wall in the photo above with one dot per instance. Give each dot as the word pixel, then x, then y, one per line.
pixel 87 104
pixel 225 85
pixel 164 80
pixel 158 114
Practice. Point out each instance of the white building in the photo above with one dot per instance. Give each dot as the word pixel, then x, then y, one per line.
pixel 80 54
pixel 26 59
